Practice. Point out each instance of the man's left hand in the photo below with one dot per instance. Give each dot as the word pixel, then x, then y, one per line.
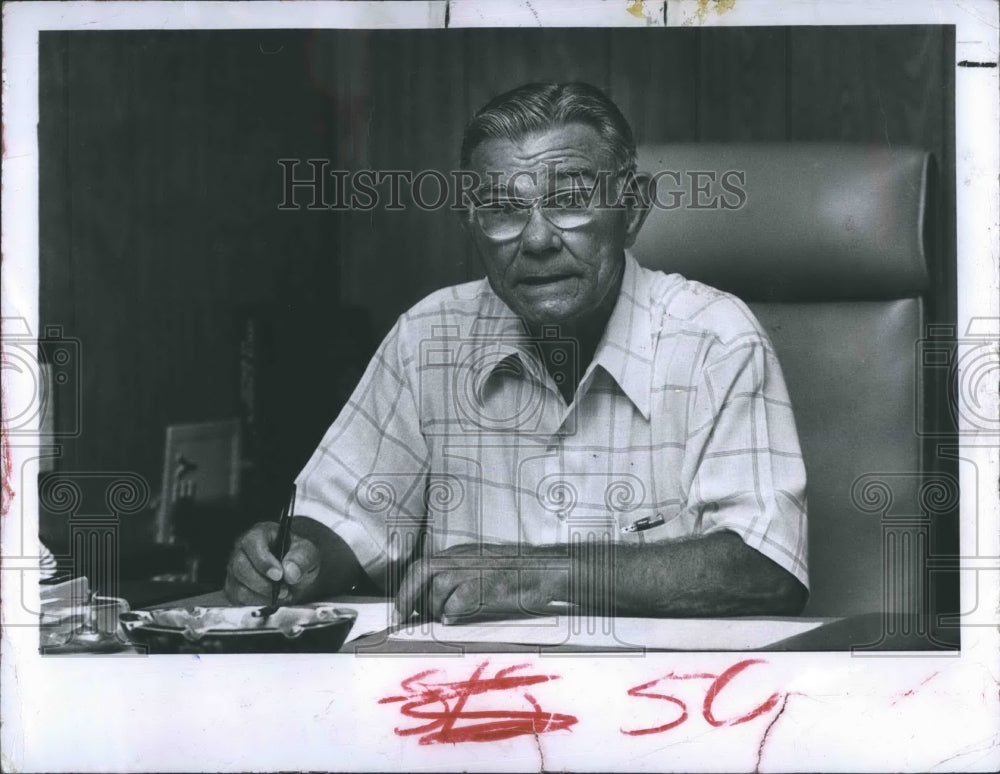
pixel 478 579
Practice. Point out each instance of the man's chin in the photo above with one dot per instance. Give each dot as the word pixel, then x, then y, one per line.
pixel 554 317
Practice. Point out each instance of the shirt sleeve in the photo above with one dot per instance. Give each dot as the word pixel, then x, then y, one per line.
pixel 743 459
pixel 366 479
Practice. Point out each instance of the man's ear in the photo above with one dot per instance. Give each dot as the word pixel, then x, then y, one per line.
pixel 637 199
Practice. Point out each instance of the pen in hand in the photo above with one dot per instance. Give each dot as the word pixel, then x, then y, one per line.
pixel 283 541
pixel 279 549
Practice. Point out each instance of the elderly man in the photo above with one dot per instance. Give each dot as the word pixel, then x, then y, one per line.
pixel 573 428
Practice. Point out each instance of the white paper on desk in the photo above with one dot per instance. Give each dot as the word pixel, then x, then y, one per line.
pixel 662 633
pixel 372 617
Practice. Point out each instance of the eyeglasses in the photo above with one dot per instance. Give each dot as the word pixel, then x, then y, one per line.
pixel 506 218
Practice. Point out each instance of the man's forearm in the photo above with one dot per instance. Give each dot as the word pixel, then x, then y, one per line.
pixel 713 575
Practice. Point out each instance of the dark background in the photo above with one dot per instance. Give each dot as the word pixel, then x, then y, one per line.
pixel 161 234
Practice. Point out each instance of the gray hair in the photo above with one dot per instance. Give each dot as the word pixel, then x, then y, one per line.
pixel 537 107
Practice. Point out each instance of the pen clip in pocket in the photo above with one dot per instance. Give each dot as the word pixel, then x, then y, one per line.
pixel 647 522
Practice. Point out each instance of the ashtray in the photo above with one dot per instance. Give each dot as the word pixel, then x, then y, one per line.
pixel 314 628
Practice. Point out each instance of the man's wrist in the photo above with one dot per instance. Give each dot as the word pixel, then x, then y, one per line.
pixel 583 574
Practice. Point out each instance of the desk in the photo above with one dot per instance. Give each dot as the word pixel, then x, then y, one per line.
pixel 863 632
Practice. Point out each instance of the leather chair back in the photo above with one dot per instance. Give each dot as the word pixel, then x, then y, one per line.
pixel 827 244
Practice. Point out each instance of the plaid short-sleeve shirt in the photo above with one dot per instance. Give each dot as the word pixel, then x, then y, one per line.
pixel 457 432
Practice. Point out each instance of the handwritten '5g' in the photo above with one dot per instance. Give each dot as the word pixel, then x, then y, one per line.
pixel 719 681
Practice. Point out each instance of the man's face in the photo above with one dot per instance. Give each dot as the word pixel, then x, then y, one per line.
pixel 549 274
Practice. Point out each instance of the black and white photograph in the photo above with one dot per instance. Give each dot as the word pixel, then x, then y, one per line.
pixel 493 392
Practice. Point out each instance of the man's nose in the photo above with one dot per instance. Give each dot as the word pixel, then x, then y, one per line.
pixel 539 236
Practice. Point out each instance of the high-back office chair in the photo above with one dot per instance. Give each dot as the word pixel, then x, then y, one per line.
pixel 827 244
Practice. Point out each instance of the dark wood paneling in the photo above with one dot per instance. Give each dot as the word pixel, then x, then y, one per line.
pixel 342 66
pixel 881 85
pixel 57 297
pixel 500 59
pixel 655 82
pixel 742 77
pixel 172 225
pixel 415 125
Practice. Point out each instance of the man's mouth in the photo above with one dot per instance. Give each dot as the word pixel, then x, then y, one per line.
pixel 545 279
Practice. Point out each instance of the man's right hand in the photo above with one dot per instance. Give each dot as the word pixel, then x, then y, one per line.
pixel 254 569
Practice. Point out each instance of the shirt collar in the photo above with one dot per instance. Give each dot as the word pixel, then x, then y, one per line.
pixel 625 350
pixel 497 335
